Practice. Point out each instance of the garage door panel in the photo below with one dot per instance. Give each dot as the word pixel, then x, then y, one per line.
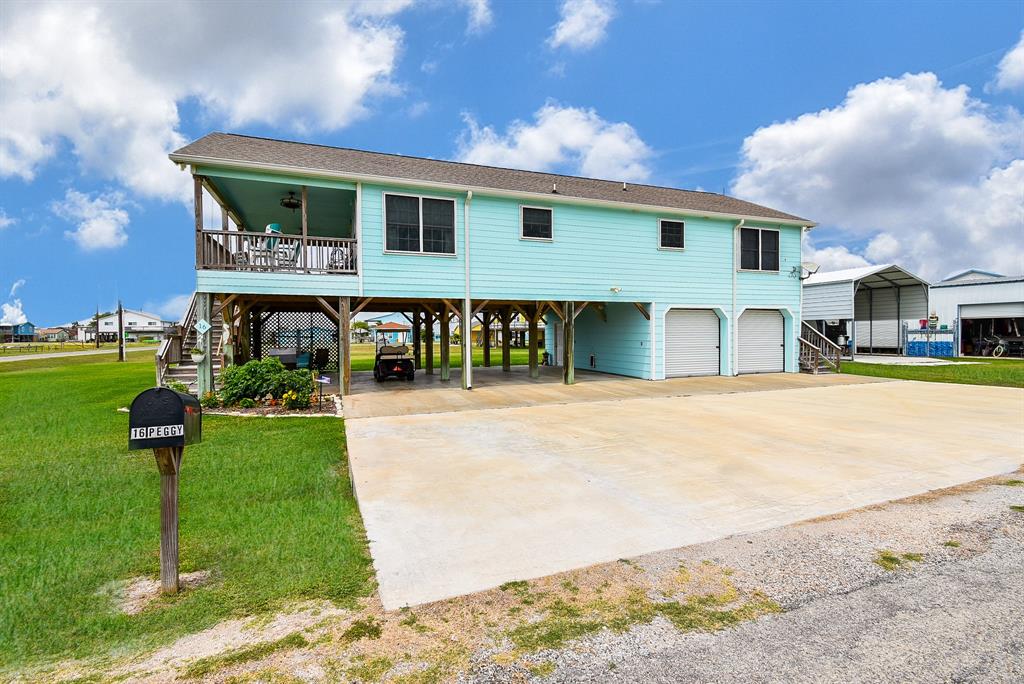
pixel 885 326
pixel 692 343
pixel 995 310
pixel 761 344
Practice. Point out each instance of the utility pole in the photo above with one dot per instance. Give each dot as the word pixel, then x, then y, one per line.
pixel 120 331
pixel 96 336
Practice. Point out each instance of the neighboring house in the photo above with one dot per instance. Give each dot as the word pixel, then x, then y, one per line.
pixel 394 333
pixel 52 334
pixel 642 281
pixel 21 332
pixel 978 305
pixel 138 325
pixel 866 309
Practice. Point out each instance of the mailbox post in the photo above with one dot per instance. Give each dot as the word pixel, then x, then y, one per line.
pixel 166 421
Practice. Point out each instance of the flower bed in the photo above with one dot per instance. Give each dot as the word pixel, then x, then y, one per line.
pixel 263 387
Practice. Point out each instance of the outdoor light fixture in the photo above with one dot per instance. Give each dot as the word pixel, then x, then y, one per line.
pixel 291 202
pixel 616 289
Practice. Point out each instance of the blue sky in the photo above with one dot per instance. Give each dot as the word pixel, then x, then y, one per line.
pixel 895 126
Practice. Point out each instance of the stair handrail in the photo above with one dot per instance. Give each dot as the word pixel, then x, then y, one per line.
pixel 170 348
pixel 830 352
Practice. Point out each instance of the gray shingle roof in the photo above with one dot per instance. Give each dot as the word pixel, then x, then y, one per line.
pixel 241 149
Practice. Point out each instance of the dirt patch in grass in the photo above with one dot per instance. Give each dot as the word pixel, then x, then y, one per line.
pixel 205 666
pixel 135 595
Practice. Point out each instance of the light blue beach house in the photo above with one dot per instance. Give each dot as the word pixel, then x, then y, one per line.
pixel 633 280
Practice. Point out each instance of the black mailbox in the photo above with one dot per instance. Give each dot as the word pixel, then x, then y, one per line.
pixel 161 417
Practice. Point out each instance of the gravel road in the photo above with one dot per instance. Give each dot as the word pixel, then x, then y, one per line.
pixel 957 615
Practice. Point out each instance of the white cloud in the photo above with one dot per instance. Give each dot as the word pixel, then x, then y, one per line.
pixel 582 24
pixel 1010 72
pixel 100 219
pixel 565 139
pixel 480 16
pixel 13 313
pixel 107 79
pixel 5 220
pixel 930 176
pixel 20 282
pixel 171 309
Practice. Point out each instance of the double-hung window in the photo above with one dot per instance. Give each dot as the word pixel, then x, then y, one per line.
pixel 759 249
pixel 536 223
pixel 423 225
pixel 672 234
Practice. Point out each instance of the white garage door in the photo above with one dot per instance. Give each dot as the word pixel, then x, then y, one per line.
pixel 998 310
pixel 691 343
pixel 762 342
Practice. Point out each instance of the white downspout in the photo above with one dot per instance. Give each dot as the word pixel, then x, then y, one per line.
pixel 467 304
pixel 358 230
pixel 733 321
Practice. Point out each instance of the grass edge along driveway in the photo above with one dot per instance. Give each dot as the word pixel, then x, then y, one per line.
pixel 265 506
pixel 999 372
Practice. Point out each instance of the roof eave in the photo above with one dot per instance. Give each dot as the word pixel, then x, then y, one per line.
pixel 187 159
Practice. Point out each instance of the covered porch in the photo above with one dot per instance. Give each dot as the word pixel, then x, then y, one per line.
pixel 316 332
pixel 245 222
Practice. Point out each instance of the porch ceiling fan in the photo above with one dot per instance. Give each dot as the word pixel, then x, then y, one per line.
pixel 291 202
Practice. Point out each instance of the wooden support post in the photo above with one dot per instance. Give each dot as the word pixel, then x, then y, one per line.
pixel 532 341
pixel 197 198
pixel 168 461
pixel 485 335
pixel 305 225
pixel 506 339
pixel 416 358
pixel 345 345
pixel 446 348
pixel 568 342
pixel 428 342
pixel 204 369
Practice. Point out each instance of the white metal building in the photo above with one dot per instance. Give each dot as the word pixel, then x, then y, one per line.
pixel 866 307
pixel 978 304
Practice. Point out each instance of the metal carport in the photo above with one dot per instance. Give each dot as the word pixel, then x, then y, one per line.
pixel 866 307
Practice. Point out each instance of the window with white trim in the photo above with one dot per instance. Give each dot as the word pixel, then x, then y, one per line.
pixel 536 223
pixel 672 234
pixel 423 225
pixel 759 249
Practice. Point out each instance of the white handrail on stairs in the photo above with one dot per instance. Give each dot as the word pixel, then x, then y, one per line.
pixel 824 349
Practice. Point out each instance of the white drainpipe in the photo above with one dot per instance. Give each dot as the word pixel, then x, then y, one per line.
pixel 467 304
pixel 733 320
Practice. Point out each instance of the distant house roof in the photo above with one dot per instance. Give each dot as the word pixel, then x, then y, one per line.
pixel 965 274
pixel 965 282
pixel 882 275
pixel 397 327
pixel 264 153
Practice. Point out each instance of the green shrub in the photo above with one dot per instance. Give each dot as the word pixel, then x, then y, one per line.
pixel 178 386
pixel 247 403
pixel 253 380
pixel 210 400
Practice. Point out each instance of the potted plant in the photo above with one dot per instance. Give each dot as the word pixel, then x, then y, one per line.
pixel 197 354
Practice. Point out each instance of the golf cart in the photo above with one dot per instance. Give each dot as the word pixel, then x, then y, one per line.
pixel 391 362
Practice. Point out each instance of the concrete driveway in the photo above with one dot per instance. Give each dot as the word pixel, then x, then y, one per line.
pixel 462 501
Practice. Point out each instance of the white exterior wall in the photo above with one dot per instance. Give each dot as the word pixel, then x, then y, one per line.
pixel 828 301
pixel 945 301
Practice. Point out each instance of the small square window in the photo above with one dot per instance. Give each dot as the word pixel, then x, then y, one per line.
pixel 536 224
pixel 672 235
pixel 759 249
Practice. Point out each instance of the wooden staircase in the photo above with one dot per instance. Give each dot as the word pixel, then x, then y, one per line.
pixel 818 354
pixel 173 362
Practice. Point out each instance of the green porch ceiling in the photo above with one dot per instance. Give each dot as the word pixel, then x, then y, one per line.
pixel 258 203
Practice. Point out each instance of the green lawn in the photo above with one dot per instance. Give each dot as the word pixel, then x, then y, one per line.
pixel 1004 372
pixel 265 506
pixel 362 356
